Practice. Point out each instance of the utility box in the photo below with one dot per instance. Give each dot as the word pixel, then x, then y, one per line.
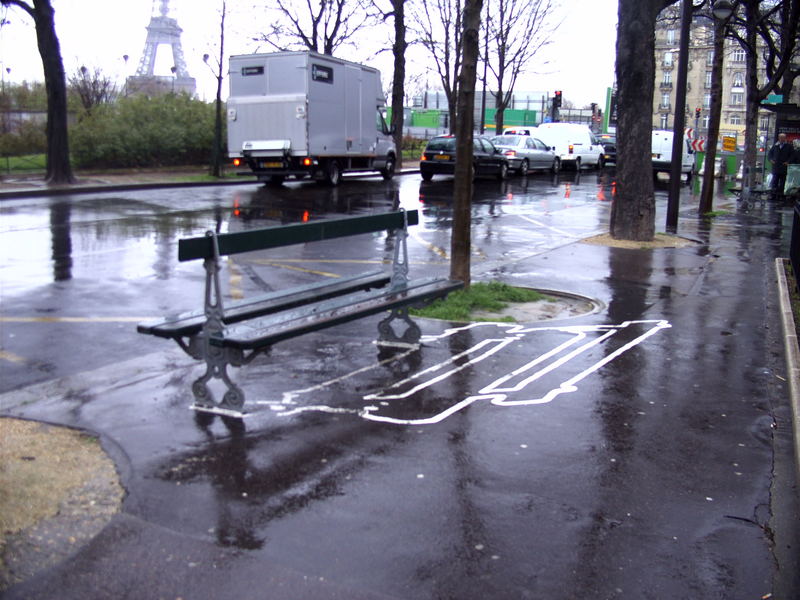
pixel 305 114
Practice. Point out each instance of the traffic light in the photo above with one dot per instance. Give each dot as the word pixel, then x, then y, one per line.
pixel 557 99
pixel 697 113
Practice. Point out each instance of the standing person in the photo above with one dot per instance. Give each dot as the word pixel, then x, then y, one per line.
pixel 779 156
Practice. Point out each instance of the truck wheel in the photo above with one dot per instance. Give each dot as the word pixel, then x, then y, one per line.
pixel 600 163
pixel 332 173
pixel 578 164
pixel 388 171
pixel 276 180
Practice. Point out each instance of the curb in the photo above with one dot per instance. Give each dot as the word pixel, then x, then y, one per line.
pixel 27 192
pixel 790 344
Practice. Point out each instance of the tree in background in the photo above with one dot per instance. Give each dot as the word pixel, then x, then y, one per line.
pixel 216 152
pixel 92 88
pixel 439 30
pixel 461 239
pixel 396 11
pixel 59 169
pixel 321 27
pixel 516 30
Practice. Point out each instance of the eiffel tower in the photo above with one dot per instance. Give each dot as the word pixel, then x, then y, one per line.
pixel 162 29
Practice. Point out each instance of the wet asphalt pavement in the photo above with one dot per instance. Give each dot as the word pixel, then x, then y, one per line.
pixel 643 450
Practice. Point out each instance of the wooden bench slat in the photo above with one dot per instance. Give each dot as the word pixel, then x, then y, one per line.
pixel 271 329
pixel 189 324
pixel 297 233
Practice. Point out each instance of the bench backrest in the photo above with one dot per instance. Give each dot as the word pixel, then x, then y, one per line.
pixel 298 233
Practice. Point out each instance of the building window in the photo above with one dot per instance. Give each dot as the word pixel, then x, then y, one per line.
pixel 668 77
pixel 710 56
pixel 667 59
pixel 707 101
pixel 735 120
pixel 670 36
pixel 737 98
pixel 763 123
pixel 664 100
pixel 708 79
pixel 738 55
pixel 738 79
pixel 706 119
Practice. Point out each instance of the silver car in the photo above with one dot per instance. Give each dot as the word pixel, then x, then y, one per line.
pixel 526 153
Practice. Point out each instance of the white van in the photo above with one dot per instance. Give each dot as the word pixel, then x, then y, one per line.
pixel 575 145
pixel 661 148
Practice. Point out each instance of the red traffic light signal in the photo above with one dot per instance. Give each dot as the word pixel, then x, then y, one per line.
pixel 696 113
pixel 557 99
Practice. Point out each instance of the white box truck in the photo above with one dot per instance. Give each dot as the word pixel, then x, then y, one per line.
pixel 305 114
pixel 661 148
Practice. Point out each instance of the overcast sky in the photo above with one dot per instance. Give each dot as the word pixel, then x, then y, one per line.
pixel 98 33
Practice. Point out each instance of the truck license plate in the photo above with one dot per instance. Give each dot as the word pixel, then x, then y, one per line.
pixel 272 165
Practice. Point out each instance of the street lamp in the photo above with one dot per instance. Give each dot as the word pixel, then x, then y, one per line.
pixel 722 9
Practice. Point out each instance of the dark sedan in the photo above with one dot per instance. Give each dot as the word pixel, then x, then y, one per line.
pixel 439 158
pixel 609 143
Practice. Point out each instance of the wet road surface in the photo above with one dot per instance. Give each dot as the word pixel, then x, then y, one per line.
pixel 636 452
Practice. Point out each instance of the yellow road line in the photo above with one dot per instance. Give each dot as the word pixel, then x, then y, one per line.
pixel 10 357
pixel 73 319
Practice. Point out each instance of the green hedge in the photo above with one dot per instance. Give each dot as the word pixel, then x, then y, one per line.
pixel 138 131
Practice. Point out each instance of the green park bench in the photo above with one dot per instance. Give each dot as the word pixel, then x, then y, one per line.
pixel 234 334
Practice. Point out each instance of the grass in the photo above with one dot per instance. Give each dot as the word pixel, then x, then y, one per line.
pixel 23 163
pixel 492 297
pixel 716 213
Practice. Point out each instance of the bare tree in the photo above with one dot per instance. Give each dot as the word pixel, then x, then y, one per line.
pixel 322 27
pixel 518 29
pixel 396 11
pixel 92 88
pixel 461 239
pixel 216 153
pixel 439 30
pixel 633 208
pixel 59 169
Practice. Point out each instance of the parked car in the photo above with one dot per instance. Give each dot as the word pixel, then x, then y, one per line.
pixel 574 144
pixel 518 130
pixel 609 143
pixel 439 158
pixel 526 153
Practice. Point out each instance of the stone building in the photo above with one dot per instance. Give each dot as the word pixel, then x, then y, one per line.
pixel 698 88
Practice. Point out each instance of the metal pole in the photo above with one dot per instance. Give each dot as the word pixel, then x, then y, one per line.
pixel 679 120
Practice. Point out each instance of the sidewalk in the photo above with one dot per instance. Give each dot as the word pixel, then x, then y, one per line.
pixel 657 462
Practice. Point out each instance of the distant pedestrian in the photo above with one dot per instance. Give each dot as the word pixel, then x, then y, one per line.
pixel 779 155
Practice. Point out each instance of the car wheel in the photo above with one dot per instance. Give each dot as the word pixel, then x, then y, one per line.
pixel 388 171
pixel 523 167
pixel 556 165
pixel 503 172
pixel 333 173
pixel 426 175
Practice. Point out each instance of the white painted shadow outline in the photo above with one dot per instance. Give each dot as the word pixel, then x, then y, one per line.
pixel 501 391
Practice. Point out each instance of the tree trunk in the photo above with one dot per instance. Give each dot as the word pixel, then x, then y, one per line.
pixel 715 113
pixel 59 169
pixel 398 82
pixel 633 207
pixel 462 185
pixel 753 97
